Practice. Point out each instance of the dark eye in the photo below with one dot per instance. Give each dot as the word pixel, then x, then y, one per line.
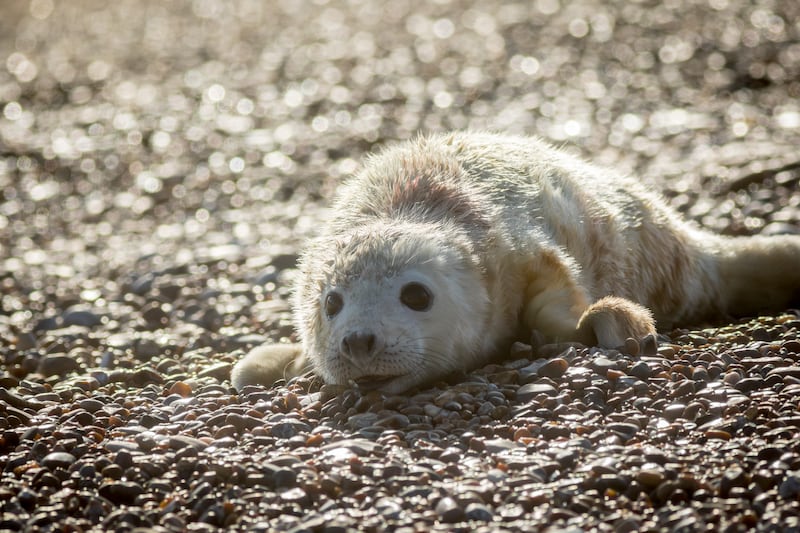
pixel 333 304
pixel 416 296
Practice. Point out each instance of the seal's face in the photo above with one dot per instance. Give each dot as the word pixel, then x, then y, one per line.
pixel 395 308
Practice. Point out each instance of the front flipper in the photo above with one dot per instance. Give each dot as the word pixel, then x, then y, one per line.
pixel 557 305
pixel 611 320
pixel 266 364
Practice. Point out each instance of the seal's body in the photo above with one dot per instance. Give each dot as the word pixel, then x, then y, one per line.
pixel 445 249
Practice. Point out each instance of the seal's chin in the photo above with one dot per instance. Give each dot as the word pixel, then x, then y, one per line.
pixel 378 382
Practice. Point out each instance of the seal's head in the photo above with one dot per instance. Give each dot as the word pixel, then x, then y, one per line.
pixel 391 305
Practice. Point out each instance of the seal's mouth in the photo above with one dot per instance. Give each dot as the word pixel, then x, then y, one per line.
pixel 373 382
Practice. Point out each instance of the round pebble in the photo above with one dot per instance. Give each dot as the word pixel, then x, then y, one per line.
pixel 58 460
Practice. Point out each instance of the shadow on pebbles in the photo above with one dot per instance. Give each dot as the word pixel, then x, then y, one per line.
pixel 700 433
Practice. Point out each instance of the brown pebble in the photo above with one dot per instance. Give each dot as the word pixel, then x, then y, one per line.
pixel 732 377
pixel 674 411
pixel 718 434
pixel 226 431
pixel 668 352
pixel 631 346
pixel 181 388
pixel 613 374
pixel 554 368
pixel 522 433
pixel 650 478
pixel 649 345
pixel 315 440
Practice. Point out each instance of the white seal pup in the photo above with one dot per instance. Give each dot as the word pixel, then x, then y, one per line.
pixel 445 249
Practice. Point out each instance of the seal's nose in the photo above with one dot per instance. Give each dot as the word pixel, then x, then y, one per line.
pixel 359 345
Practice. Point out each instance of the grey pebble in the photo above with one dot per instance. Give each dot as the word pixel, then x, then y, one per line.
pixel 391 508
pixel 121 492
pixel 499 445
pixel 734 476
pixel 360 447
pixel 478 512
pixel 790 487
pixel 641 370
pixel 58 460
pixel 674 411
pixel 294 495
pixel 81 317
pixel 529 391
pixel 178 442
pixel 219 371
pixel 91 405
pixel 25 341
pixel 792 370
pixel 289 428
pixel 20 401
pixel 57 364
pixel 624 430
pixel 749 384
pixel 449 511
pixel 602 364
pixel 117 445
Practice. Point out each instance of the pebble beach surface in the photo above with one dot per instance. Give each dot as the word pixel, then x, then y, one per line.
pixel 161 164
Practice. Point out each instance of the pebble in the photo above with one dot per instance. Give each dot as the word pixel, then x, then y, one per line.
pixel 20 401
pixel 289 428
pixel 731 478
pixel 183 441
pixel 641 370
pixel 389 507
pixel 792 371
pixel 219 371
pixel 674 411
pixel 747 385
pixel 631 347
pixel 81 317
pixel 58 460
pixel 478 512
pixel 449 511
pixel 650 478
pixel 602 365
pixel 531 390
pixel 121 492
pixel 554 368
pixel 790 486
pixel 91 405
pixel 57 364
pixel 624 430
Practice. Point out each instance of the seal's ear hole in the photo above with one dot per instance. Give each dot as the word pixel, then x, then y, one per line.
pixel 333 304
pixel 416 296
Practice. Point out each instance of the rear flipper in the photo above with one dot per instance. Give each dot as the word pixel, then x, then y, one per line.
pixel 558 307
pixel 759 274
pixel 266 364
pixel 611 320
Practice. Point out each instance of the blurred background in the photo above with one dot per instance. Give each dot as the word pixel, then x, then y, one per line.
pixel 137 135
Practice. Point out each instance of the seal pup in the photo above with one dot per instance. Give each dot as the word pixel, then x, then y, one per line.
pixel 445 249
